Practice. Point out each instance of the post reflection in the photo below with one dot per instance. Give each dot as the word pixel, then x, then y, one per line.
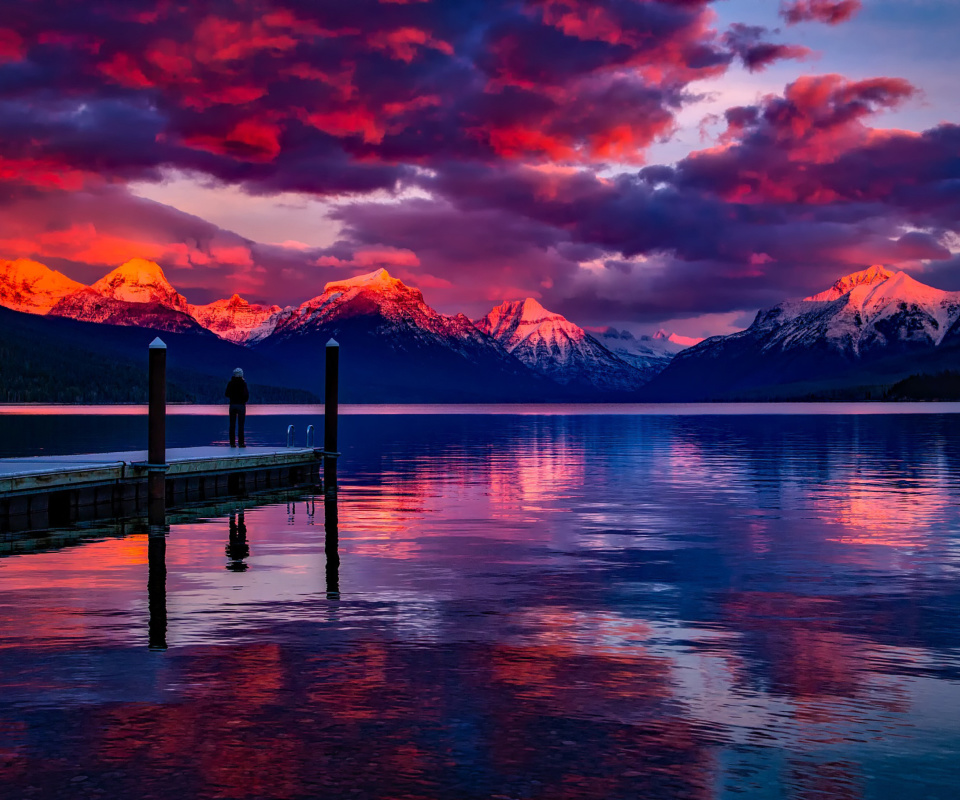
pixel 157 588
pixel 157 568
pixel 331 544
pixel 237 547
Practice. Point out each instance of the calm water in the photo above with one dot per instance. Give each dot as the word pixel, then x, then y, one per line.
pixel 589 606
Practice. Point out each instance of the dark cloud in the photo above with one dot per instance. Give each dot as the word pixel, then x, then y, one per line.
pixel 751 46
pixel 332 97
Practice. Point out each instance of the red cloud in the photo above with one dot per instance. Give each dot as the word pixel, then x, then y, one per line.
pixel 372 258
pixel 358 90
pixel 123 69
pixel 404 43
pixel 11 45
pixel 222 40
pixel 832 12
pixel 43 173
pixel 248 140
pixel 583 21
pixel 774 151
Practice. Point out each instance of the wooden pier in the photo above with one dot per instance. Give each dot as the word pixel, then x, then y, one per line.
pixel 54 491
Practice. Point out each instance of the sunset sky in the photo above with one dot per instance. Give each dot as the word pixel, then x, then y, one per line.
pixel 632 162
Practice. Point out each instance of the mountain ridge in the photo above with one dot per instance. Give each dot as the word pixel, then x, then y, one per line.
pixel 869 321
pixel 406 349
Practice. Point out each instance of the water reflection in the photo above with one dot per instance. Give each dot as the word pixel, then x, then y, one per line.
pixel 540 608
pixel 157 590
pixel 237 547
pixel 331 544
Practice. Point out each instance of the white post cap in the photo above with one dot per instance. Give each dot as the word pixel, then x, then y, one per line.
pixel 333 343
pixel 157 344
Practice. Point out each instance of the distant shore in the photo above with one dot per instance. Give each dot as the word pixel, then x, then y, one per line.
pixel 521 409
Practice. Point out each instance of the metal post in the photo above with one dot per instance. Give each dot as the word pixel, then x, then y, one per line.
pixel 330 414
pixel 157 422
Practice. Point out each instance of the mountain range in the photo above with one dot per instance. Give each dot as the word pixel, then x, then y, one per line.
pixel 855 340
pixel 397 348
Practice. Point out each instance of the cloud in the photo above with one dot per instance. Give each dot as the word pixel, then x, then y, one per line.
pixel 87 233
pixel 333 98
pixel 749 43
pixel 489 149
pixel 832 12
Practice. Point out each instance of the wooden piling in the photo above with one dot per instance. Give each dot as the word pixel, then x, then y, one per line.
pixel 330 414
pixel 157 424
pixel 331 544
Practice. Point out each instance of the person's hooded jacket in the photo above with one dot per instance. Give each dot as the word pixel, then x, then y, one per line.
pixel 237 391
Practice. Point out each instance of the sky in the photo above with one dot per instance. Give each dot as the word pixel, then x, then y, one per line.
pixel 642 163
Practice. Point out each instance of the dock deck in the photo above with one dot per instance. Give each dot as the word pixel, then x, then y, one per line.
pixel 41 491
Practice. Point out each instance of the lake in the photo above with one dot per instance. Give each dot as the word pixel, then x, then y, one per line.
pixel 727 602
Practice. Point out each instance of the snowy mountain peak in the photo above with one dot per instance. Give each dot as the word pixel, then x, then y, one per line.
pixel 140 281
pixel 30 286
pixel 553 346
pixel 865 277
pixel 532 312
pixel 524 316
pixel 381 280
pixel 237 320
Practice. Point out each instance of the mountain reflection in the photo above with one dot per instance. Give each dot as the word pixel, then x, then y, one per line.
pixel 572 607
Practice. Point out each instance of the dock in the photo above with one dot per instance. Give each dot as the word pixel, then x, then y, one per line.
pixel 42 492
pixel 53 491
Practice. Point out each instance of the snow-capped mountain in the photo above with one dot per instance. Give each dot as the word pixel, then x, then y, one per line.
pixel 676 338
pixel 868 310
pixel 650 354
pixel 136 293
pixel 394 306
pixel 236 320
pixel 867 317
pixel 557 348
pixel 140 281
pixel 32 287
pixel 401 349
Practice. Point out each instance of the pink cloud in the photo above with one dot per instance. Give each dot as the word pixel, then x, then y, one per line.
pixel 832 12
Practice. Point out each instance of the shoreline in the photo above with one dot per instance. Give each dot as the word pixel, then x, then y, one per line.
pixel 819 408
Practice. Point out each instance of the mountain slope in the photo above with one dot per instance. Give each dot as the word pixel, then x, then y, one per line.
pixel 33 287
pixel 556 348
pixel 54 359
pixel 868 328
pixel 649 354
pixel 236 320
pixel 136 293
pixel 395 348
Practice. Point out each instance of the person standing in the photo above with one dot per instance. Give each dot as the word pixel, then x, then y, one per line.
pixel 238 394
